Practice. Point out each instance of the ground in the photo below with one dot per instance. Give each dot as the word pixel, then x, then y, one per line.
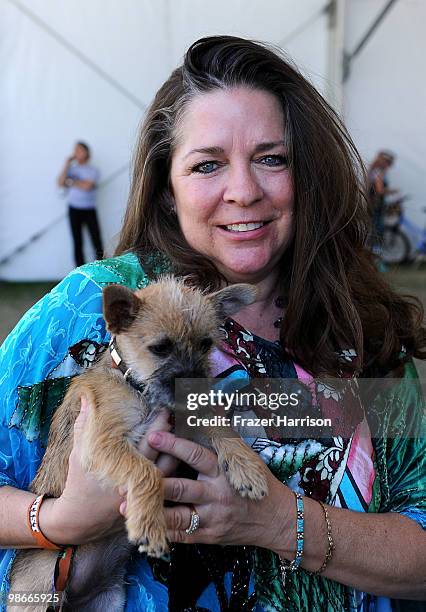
pixel 16 298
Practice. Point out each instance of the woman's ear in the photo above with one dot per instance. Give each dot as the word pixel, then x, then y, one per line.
pixel 172 204
pixel 169 200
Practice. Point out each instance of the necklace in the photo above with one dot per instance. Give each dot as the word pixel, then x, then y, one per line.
pixel 279 303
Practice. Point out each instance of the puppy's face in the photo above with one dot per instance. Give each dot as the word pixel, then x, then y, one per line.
pixel 167 330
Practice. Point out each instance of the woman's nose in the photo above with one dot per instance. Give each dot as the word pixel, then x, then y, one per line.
pixel 242 186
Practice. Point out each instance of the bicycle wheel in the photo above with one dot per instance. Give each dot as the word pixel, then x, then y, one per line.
pixel 395 246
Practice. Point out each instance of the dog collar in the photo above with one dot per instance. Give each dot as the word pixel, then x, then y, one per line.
pixel 119 363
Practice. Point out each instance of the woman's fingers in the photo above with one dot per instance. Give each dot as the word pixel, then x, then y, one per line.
pixel 196 456
pixel 186 491
pixel 178 521
pixel 178 490
pixel 179 518
pixel 167 464
pixel 74 463
pixel 161 423
pixel 80 422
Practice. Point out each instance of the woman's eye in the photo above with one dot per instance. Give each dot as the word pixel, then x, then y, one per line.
pixel 274 160
pixel 205 167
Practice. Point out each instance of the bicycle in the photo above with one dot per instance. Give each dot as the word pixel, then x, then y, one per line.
pixel 403 240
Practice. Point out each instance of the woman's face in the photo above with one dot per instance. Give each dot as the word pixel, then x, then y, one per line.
pixel 230 181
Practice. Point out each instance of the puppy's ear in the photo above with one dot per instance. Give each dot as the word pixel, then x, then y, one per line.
pixel 231 299
pixel 120 306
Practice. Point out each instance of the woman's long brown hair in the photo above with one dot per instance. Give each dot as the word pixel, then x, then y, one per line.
pixel 336 299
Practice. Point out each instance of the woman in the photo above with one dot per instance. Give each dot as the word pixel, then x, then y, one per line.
pixel 243 174
pixel 378 190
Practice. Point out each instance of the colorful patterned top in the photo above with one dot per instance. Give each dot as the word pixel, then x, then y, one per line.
pixel 65 331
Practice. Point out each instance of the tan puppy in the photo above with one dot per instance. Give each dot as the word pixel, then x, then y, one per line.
pixel 160 333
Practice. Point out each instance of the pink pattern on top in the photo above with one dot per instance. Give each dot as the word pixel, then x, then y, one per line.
pixel 302 374
pixel 360 461
pixel 222 359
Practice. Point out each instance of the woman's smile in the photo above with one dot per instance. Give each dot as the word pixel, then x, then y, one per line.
pixel 247 230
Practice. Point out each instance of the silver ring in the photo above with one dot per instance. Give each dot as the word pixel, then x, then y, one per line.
pixel 195 522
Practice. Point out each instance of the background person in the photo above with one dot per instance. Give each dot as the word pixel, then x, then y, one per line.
pixel 378 189
pixel 81 179
pixel 243 173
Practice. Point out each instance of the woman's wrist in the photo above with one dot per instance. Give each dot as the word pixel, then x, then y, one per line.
pixel 48 523
pixel 284 541
pixel 281 529
pixel 55 528
pixel 62 521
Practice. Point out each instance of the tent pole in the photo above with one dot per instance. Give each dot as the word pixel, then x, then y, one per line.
pixel 335 51
pixel 348 58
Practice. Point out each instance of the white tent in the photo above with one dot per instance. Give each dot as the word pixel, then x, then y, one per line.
pixel 86 70
pixel 385 94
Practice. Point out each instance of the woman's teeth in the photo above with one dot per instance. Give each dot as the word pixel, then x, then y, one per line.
pixel 244 227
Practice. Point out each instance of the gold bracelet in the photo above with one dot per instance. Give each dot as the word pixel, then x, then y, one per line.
pixel 330 543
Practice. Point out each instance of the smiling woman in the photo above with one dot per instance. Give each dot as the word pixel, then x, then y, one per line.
pixel 234 196
pixel 242 173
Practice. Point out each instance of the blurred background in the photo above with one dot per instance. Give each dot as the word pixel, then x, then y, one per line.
pixel 87 70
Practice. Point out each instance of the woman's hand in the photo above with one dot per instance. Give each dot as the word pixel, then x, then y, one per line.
pixel 225 517
pixel 88 510
pixel 365 543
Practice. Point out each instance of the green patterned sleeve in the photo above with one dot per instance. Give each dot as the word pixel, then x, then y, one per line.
pixel 401 453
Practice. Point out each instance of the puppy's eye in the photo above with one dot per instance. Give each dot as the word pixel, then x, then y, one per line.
pixel 206 344
pixel 162 349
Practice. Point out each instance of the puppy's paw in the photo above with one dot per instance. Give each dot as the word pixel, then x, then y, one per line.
pixel 246 473
pixel 149 534
pixel 248 479
pixel 156 547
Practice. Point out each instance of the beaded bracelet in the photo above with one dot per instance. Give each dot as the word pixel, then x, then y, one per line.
pixel 32 517
pixel 291 566
pixel 330 543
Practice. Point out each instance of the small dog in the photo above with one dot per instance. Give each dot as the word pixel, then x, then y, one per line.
pixel 159 333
